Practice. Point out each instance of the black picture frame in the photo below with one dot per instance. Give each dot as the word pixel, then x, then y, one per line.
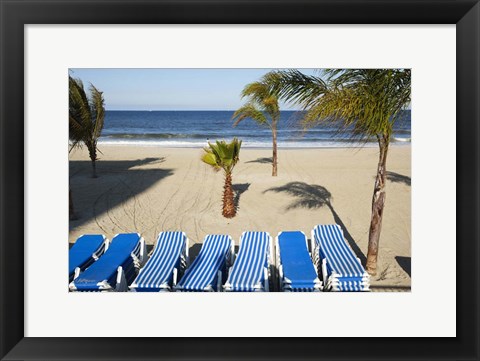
pixel 16 14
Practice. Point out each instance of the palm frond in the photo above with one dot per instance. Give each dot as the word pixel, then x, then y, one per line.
pixel 209 158
pixel 222 155
pixel 296 87
pixel 364 102
pixel 256 91
pixel 97 106
pixel 250 111
pixel 263 97
pixel 79 107
pixel 86 115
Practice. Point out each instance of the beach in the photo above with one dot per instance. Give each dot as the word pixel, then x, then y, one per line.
pixel 149 189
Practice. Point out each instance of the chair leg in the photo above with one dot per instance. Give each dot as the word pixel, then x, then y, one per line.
pixel 280 277
pixel 174 277
pixel 219 281
pixel 143 252
pixel 107 244
pixel 187 253
pixel 232 253
pixel 265 274
pixel 77 273
pixel 121 285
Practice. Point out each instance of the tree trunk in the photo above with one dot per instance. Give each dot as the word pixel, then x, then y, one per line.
pixel 274 157
pixel 94 170
pixel 228 204
pixel 92 150
pixel 71 209
pixel 378 203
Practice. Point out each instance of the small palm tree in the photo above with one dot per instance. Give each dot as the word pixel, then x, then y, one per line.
pixel 262 105
pixel 365 102
pixel 223 155
pixel 86 118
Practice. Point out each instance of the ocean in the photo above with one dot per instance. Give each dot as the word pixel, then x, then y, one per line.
pixel 195 128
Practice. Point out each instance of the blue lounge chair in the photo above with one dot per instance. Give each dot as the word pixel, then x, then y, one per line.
pixel 116 269
pixel 209 268
pixel 161 271
pixel 85 251
pixel 295 267
pixel 251 269
pixel 341 269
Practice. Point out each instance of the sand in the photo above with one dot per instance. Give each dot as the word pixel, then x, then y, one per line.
pixel 152 189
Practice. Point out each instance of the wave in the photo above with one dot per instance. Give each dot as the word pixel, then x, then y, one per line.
pixel 151 135
pixel 259 133
pixel 260 143
pixel 404 140
pixel 265 137
pixel 205 136
pixel 189 141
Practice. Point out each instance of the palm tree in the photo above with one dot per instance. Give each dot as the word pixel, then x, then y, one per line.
pixel 262 105
pixel 364 102
pixel 223 155
pixel 86 117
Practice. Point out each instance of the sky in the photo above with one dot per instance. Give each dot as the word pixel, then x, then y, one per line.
pixel 173 89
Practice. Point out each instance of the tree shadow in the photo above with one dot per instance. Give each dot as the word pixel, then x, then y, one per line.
pixel 118 181
pixel 239 189
pixel 194 250
pixel 398 178
pixel 313 196
pixel 267 160
pixel 405 263
pixel 106 167
pixel 150 248
pixel 308 196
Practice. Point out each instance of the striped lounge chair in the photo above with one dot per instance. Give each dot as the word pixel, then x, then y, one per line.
pixel 167 263
pixel 341 269
pixel 295 267
pixel 84 252
pixel 208 271
pixel 116 269
pixel 251 269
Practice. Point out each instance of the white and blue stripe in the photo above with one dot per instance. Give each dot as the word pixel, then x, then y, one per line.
pixel 213 257
pixel 344 269
pixel 157 274
pixel 248 271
